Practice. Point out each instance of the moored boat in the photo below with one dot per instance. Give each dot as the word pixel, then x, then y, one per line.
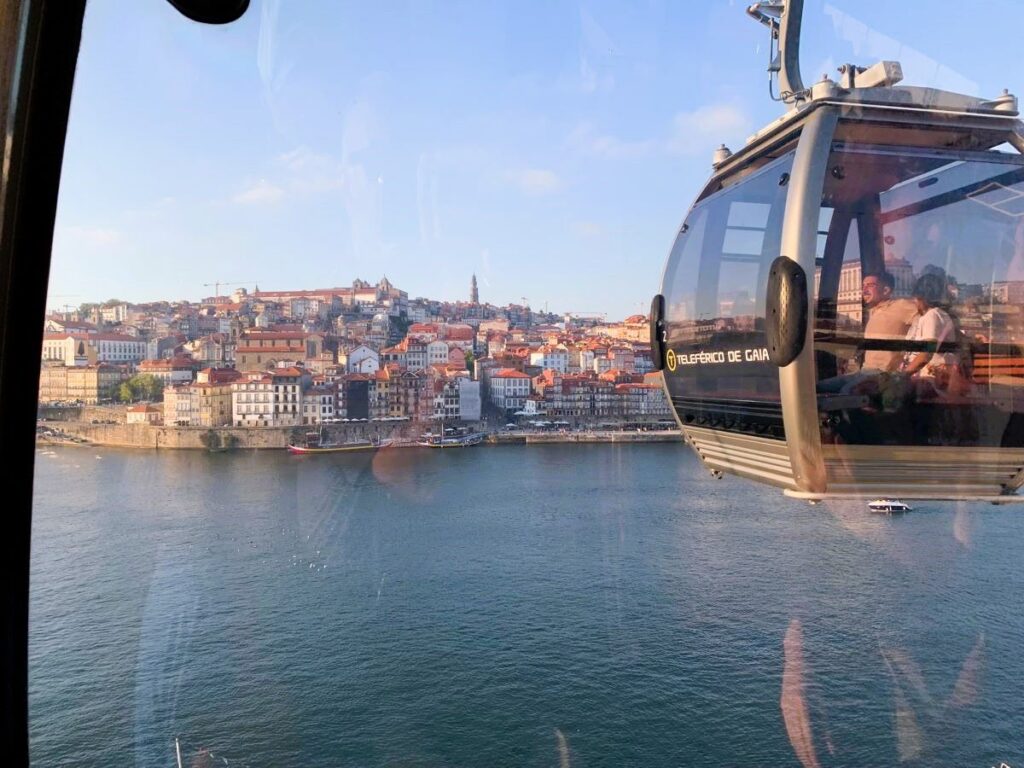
pixel 315 443
pixel 358 445
pixel 454 441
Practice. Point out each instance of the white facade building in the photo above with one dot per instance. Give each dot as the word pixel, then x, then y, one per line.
pixel 362 359
pixel 551 358
pixel 508 389
pixel 252 402
pixel 416 355
pixel 93 347
pixel 115 314
pixel 437 352
pixel 469 399
pixel 581 360
pixel 171 371
pixel 270 400
pixel 318 404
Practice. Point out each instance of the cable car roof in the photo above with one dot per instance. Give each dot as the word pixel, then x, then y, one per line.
pixel 942 119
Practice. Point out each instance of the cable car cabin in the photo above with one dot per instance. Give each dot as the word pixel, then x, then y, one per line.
pixel 842 313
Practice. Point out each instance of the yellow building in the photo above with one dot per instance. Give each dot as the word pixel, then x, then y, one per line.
pixel 381 395
pixel 200 404
pixel 87 383
pixel 53 382
pixel 214 404
pixel 93 383
pixel 260 350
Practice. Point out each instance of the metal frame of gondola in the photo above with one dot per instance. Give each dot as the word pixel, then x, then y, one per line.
pixel 819 117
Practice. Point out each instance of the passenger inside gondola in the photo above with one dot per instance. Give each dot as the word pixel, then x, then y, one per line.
pixel 932 323
pixel 895 390
pixel 889 317
pixel 923 249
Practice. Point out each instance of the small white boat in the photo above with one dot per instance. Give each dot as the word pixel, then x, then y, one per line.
pixel 888 506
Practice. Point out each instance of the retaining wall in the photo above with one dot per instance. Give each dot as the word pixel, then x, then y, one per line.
pixel 148 436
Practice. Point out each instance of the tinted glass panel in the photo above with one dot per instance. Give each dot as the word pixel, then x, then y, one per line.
pixel 920 325
pixel 715 287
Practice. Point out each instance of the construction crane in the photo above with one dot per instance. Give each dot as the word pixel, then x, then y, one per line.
pixel 65 306
pixel 218 283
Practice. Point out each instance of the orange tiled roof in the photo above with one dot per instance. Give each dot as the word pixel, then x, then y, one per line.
pixel 508 373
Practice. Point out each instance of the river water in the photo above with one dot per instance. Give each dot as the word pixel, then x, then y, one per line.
pixel 577 605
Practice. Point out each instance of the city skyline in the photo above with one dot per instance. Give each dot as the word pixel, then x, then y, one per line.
pixel 554 157
pixel 229 288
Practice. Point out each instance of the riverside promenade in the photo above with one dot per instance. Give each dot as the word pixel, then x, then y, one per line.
pixel 586 436
pixel 402 435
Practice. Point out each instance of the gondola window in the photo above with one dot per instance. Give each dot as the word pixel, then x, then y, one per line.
pixel 917 267
pixel 718 270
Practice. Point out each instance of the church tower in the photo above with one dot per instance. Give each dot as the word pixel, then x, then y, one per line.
pixel 474 295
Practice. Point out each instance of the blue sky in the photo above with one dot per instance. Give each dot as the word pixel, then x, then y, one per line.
pixel 550 147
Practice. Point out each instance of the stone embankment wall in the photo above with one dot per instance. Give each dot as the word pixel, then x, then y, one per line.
pixel 78 421
pixel 147 436
pixel 85 413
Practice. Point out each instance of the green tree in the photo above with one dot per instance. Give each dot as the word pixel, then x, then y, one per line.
pixel 470 360
pixel 143 386
pixel 150 387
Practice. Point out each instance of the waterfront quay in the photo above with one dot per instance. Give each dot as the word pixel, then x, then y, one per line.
pixel 108 427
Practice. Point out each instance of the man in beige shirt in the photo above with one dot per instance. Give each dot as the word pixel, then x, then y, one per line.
pixel 888 318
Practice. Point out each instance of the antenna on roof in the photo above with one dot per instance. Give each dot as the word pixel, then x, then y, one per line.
pixel 783 18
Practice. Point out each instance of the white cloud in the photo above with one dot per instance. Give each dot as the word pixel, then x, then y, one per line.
pixel 536 181
pixel 585 139
pixel 261 192
pixel 96 237
pixel 303 159
pixel 697 131
pixel 691 133
pixel 310 173
pixel 588 229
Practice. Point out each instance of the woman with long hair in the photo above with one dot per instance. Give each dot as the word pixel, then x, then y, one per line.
pixel 932 323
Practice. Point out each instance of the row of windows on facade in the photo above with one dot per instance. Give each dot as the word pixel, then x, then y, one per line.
pixel 265 398
pixel 259 387
pixel 266 409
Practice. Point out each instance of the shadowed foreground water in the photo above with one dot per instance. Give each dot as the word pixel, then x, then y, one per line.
pixel 542 606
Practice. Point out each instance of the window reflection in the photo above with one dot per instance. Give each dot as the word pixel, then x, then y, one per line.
pixel 718 273
pixel 921 287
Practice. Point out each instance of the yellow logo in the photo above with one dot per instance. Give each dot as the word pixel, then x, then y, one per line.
pixel 670 360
